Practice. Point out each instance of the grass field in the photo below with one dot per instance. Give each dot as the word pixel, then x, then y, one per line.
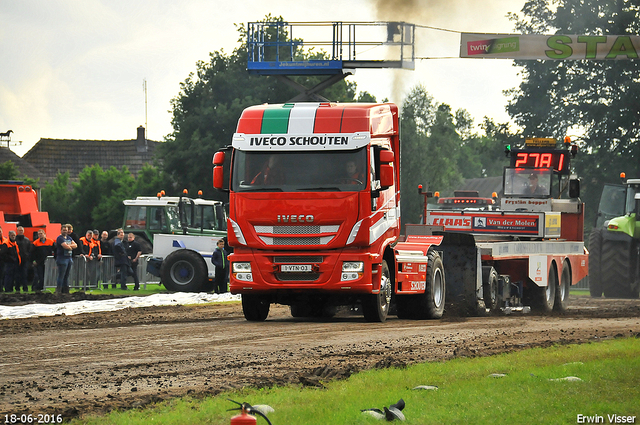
pixel 529 392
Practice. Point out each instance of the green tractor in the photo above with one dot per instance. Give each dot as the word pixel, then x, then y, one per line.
pixel 614 242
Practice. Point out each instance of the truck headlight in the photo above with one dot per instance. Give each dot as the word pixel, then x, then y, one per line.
pixel 242 271
pixel 352 270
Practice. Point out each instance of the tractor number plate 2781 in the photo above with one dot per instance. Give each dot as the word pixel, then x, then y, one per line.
pixel 295 268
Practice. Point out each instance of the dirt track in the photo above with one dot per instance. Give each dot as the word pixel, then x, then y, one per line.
pixel 93 363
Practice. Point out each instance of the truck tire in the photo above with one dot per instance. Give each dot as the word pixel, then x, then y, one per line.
pixel 184 271
pixel 430 304
pixel 545 296
pixel 617 269
pixel 255 307
pixel 595 258
pixel 490 288
pixel 376 306
pixel 562 292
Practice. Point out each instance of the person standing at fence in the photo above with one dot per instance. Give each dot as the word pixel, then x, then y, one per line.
pixel 11 259
pixel 24 244
pixel 3 241
pixel 64 250
pixel 89 254
pixel 122 261
pixel 40 250
pixel 133 252
pixel 221 263
pixel 106 249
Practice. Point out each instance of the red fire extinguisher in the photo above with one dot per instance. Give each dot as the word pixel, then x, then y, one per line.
pixel 243 418
pixel 246 415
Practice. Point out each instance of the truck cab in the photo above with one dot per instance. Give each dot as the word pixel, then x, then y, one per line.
pixel 313 206
pixel 147 216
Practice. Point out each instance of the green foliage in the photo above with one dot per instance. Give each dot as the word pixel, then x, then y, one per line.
pixel 467 393
pixel 95 201
pixel 598 98
pixel 439 148
pixel 207 109
pixel 8 171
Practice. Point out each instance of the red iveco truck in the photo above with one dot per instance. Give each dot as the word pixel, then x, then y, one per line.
pixel 314 219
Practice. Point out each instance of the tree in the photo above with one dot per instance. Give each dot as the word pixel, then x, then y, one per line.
pixel 207 109
pixel 431 149
pixel 8 171
pixel 597 98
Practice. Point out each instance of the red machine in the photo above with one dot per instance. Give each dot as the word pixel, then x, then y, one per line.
pixel 19 207
pixel 314 218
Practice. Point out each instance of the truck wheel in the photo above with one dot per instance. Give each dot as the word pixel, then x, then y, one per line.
pixel 184 271
pixel 376 306
pixel 255 307
pixel 617 269
pixel 546 296
pixel 595 257
pixel 562 292
pixel 430 304
pixel 490 288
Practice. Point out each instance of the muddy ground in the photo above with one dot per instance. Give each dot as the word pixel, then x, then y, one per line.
pixel 94 363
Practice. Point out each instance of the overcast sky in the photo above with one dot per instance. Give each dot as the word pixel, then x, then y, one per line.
pixel 74 69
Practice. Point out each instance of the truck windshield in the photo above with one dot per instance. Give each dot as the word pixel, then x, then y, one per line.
pixel 300 171
pixel 527 182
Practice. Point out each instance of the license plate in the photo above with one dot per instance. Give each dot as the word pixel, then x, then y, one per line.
pixel 295 268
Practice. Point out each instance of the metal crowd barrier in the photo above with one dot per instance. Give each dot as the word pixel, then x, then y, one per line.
pixel 92 274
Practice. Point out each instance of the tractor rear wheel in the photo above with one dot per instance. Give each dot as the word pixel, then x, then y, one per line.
pixel 617 271
pixel 595 258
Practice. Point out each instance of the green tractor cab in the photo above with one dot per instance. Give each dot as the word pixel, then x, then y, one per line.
pixel 614 242
pixel 147 216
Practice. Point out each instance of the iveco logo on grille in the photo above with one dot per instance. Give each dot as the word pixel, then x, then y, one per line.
pixel 301 218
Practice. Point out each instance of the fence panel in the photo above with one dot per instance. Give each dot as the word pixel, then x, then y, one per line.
pixel 91 274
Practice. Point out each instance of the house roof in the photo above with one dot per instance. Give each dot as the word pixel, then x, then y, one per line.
pixel 53 156
pixel 24 167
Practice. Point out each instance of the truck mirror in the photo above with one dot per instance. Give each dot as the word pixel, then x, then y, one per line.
pixel 386 175
pixel 218 177
pixel 386 156
pixel 574 188
pixel 218 158
pixel 221 162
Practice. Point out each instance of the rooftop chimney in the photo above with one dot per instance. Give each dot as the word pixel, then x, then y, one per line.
pixel 141 141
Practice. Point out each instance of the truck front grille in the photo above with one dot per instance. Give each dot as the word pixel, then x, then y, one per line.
pixel 297 235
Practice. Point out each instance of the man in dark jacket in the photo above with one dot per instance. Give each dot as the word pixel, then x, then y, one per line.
pixel 221 263
pixel 133 252
pixel 24 244
pixel 122 261
pixel 40 250
pixel 11 258
pixel 106 249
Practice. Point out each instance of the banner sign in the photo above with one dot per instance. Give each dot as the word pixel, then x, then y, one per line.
pixel 549 47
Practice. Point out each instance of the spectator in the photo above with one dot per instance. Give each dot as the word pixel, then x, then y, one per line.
pixel 221 263
pixel 89 253
pixel 122 261
pixel 24 244
pixel 133 252
pixel 3 240
pixel 96 241
pixel 40 250
pixel 11 259
pixel 64 259
pixel 78 250
pixel 106 249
